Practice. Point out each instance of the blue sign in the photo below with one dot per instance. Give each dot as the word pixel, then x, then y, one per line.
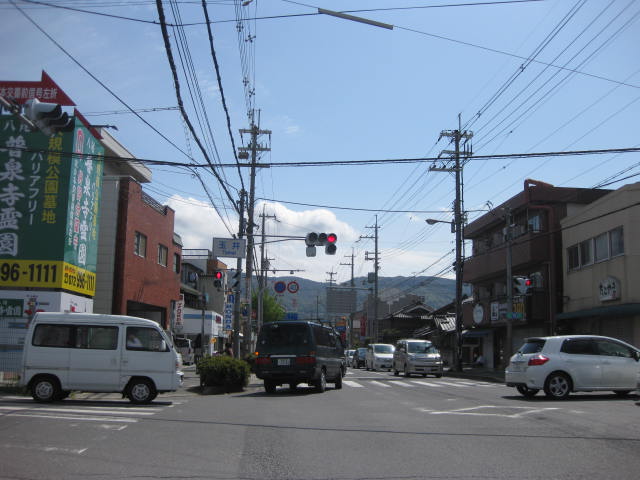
pixel 280 286
pixel 291 316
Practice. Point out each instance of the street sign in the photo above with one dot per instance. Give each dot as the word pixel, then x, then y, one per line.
pixel 46 90
pixel 293 287
pixel 229 247
pixel 280 286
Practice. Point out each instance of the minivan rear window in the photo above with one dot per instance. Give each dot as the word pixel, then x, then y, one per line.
pixel 284 338
pixel 533 345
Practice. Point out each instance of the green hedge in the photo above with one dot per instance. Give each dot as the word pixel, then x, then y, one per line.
pixel 224 371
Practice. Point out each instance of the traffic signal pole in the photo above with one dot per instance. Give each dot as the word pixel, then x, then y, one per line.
pixel 237 306
pixel 507 349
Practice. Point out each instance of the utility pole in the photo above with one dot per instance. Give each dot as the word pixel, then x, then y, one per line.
pixel 253 148
pixel 331 275
pixel 376 267
pixel 263 267
pixel 509 239
pixel 237 306
pixel 458 136
pixel 352 256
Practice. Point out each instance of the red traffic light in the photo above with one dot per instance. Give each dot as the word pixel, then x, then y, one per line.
pixel 218 275
pixel 332 238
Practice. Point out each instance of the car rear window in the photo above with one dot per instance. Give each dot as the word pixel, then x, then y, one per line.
pixel 578 346
pixel 279 338
pixel 533 345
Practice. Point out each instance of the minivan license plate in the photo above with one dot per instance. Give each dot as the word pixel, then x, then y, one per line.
pixel 283 362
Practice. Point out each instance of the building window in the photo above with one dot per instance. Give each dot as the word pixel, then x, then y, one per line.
pixel 140 247
pixel 535 224
pixel 573 257
pixel 601 247
pixel 163 253
pixel 176 263
pixel 616 239
pixel 586 252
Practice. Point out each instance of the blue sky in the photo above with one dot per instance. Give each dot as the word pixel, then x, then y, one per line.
pixel 330 89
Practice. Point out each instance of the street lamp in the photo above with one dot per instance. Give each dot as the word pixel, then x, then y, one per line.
pixel 432 221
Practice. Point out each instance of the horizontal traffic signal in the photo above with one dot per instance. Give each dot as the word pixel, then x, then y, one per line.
pixel 48 117
pixel 328 240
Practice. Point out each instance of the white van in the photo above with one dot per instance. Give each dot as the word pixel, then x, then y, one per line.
pixel 98 353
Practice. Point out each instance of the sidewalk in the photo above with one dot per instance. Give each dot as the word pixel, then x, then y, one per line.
pixel 475 373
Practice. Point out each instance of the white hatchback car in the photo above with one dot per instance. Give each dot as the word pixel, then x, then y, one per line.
pixel 560 365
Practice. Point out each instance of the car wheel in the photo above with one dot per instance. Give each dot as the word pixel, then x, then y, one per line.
pixel 396 372
pixel 406 371
pixel 557 385
pixel 622 393
pixel 438 375
pixel 269 387
pixel 45 389
pixel 141 391
pixel 292 386
pixel 338 382
pixel 321 383
pixel 526 391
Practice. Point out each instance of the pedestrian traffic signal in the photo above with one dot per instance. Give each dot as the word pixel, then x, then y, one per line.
pixel 521 285
pixel 217 279
pixel 235 279
pixel 328 240
pixel 48 117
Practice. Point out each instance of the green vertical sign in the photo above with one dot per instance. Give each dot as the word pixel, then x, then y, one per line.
pixel 49 198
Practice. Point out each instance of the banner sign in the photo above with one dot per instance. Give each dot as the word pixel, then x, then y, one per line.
pixel 45 90
pixel 49 205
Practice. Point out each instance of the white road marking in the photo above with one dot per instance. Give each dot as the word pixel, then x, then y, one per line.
pixel 476 411
pixel 380 384
pixel 352 384
pixel 77 451
pixel 402 384
pixel 427 384
pixel 71 417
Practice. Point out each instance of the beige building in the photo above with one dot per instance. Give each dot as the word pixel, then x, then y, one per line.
pixel 601 260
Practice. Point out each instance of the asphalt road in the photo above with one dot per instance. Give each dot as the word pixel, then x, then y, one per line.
pixel 377 427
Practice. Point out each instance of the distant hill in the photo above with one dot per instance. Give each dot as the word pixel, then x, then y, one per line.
pixel 311 296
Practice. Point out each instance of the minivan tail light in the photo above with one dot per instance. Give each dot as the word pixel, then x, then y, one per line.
pixel 263 360
pixel 306 360
pixel 538 360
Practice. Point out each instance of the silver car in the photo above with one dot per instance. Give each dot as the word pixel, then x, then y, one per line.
pixel 417 356
pixel 560 365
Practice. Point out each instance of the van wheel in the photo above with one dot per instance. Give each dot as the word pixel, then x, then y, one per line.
pixel 269 387
pixel 406 371
pixel 395 372
pixel 321 383
pixel 338 382
pixel 141 391
pixel 45 389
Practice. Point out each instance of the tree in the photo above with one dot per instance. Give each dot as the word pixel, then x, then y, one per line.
pixel 272 311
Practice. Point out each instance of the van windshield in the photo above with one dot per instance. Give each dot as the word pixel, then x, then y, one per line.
pixel 383 348
pixel 421 347
pixel 284 338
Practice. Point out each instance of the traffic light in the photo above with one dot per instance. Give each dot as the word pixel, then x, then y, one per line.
pixel 48 117
pixel 330 246
pixel 328 240
pixel 235 279
pixel 217 279
pixel 521 285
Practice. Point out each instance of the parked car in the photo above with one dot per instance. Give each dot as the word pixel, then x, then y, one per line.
pixel 379 355
pixel 416 356
pixel 294 352
pixel 184 346
pixel 98 353
pixel 560 365
pixel 349 356
pixel 358 357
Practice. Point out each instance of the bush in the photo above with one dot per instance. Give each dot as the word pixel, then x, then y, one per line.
pixel 225 372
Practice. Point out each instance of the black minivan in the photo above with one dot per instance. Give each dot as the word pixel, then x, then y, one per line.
pixel 294 352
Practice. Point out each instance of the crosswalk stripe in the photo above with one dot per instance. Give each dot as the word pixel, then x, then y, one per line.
pixel 452 384
pixel 352 384
pixel 428 384
pixel 402 384
pixel 380 384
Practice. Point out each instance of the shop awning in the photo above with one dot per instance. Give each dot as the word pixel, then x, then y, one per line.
pixel 624 310
pixel 476 333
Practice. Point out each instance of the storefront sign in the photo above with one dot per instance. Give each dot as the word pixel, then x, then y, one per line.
pixel 609 289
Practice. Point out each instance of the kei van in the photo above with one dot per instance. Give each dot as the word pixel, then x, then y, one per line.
pixel 98 353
